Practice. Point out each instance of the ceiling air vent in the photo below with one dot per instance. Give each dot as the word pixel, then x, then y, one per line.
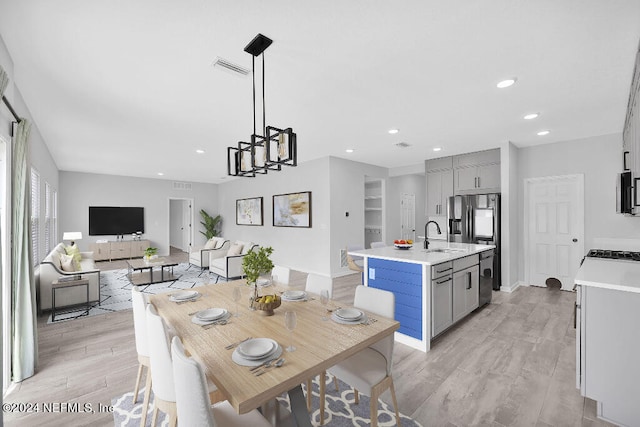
pixel 230 66
pixel 402 145
pixel 182 186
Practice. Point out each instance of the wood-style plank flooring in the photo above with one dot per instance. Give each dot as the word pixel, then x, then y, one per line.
pixel 511 363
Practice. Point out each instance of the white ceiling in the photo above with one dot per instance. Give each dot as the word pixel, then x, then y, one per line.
pixel 127 88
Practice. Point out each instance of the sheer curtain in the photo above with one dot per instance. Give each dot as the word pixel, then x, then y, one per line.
pixel 23 296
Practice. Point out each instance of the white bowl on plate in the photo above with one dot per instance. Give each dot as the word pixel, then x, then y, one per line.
pixel 403 245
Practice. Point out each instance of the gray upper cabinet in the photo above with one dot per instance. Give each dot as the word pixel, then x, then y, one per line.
pixel 477 172
pixel 439 185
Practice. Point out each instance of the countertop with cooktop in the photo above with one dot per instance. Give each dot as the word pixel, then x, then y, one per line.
pixel 618 275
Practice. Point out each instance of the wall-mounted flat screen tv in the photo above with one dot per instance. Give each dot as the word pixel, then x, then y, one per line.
pixel 112 220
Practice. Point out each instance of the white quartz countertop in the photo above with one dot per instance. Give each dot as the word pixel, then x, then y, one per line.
pixel 418 255
pixel 610 274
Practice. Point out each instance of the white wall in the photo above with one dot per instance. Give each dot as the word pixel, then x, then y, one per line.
pixel 81 190
pixel 396 186
pixel 599 158
pixel 337 186
pixel 509 220
pixel 175 223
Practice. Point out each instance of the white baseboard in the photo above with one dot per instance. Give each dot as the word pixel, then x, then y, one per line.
pixel 513 287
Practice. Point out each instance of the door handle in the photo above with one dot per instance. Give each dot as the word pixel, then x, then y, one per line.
pixel 469 280
pixel 574 240
pixel 478 182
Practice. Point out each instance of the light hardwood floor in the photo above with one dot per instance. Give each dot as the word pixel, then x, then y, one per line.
pixel 511 363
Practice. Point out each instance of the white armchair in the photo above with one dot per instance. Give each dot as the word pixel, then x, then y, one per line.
pixel 229 266
pixel 216 247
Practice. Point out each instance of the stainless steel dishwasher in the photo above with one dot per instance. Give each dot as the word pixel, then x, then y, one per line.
pixel 487 277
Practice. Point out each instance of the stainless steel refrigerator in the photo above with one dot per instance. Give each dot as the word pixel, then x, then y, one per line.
pixel 476 219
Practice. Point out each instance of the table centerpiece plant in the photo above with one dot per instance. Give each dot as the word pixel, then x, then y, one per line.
pixel 254 264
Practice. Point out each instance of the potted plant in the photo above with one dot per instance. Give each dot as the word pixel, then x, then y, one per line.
pixel 150 253
pixel 254 264
pixel 211 224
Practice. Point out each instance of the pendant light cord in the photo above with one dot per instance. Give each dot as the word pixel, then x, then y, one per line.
pixel 264 112
pixel 253 75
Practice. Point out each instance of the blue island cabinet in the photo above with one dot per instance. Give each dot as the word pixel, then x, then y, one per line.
pixel 405 280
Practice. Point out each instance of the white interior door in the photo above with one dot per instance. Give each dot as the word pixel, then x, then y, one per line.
pixel 186 225
pixel 408 216
pixel 554 229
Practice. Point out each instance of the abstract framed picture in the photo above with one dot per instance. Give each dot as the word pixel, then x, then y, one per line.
pixel 292 210
pixel 249 211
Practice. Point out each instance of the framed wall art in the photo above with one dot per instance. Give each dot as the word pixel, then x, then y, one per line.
pixel 292 210
pixel 249 211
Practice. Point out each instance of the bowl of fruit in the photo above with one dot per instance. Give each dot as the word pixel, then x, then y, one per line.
pixel 403 244
pixel 266 304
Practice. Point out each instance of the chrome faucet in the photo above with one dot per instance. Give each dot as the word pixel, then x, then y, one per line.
pixel 426 239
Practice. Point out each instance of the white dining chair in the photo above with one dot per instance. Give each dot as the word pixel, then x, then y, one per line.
pixel 368 371
pixel 283 274
pixel 317 283
pixel 192 402
pixel 139 303
pixel 378 245
pixel 162 384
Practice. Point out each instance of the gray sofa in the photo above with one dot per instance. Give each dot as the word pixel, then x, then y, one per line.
pixel 50 269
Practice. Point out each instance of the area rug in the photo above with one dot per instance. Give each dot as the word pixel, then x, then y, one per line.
pixel 115 289
pixel 340 410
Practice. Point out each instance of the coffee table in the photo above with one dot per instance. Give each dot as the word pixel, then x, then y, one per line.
pixel 141 272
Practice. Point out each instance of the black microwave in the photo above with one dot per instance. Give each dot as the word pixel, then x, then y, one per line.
pixel 624 194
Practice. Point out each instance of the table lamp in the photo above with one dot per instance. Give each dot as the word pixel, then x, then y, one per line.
pixel 72 235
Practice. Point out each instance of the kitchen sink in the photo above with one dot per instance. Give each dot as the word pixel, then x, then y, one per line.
pixel 444 250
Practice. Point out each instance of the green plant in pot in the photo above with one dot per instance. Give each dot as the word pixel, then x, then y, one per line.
pixel 150 253
pixel 254 264
pixel 210 223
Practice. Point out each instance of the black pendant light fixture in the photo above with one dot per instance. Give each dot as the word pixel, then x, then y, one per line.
pixel 271 149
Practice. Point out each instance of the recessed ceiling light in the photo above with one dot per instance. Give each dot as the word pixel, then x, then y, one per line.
pixel 394 131
pixel 506 83
pixel 543 133
pixel 160 173
pixel 437 149
pixel 531 116
pixel 349 150
pixel 200 151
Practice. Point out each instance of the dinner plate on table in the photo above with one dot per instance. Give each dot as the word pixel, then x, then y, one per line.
pixel 355 320
pixel 257 348
pixel 274 353
pixel 349 314
pixel 294 295
pixel 184 296
pixel 198 321
pixel 211 314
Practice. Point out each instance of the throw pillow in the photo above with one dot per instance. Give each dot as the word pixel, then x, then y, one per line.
pixel 74 251
pixel 211 243
pixel 66 262
pixel 247 248
pixel 235 249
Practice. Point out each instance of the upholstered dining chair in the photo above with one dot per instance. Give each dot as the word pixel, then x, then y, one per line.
pixel 369 371
pixel 378 245
pixel 139 303
pixel 317 283
pixel 192 402
pixel 160 335
pixel 283 274
pixel 161 368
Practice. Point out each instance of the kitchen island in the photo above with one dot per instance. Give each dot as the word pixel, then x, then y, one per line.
pixel 434 288
pixel 607 338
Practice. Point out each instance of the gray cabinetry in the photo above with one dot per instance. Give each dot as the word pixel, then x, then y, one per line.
pixel 439 189
pixel 630 160
pixel 455 292
pixel 465 292
pixel 439 174
pixel 608 351
pixel 441 297
pixel 477 172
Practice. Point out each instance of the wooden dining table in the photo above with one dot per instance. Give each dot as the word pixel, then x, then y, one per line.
pixel 319 343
